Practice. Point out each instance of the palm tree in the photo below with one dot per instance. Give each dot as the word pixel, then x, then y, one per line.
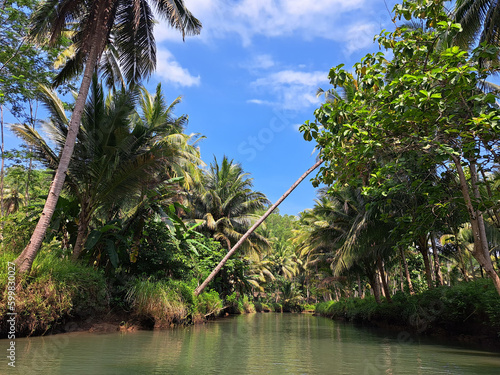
pixel 347 233
pixel 226 205
pixel 250 231
pixel 480 20
pixel 115 159
pixel 132 23
pixel 285 261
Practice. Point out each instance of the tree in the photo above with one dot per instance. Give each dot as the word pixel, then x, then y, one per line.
pixel 118 156
pixel 423 102
pixel 22 67
pixel 133 22
pixel 221 264
pixel 22 64
pixel 226 205
pixel 480 20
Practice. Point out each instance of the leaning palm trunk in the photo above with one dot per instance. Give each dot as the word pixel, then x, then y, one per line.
pixel 253 227
pixel 26 258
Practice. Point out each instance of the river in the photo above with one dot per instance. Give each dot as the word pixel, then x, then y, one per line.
pixel 248 344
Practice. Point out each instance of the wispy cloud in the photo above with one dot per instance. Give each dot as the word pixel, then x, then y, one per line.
pixel 169 70
pixel 293 89
pixel 260 102
pixel 346 21
pixel 264 61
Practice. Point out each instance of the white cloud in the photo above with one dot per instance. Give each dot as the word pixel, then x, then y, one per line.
pixel 292 77
pixel 337 20
pixel 260 102
pixel 294 90
pixel 170 70
pixel 258 62
pixel 359 36
pixel 263 62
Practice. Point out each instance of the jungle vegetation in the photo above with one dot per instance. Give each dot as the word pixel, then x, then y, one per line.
pixel 407 210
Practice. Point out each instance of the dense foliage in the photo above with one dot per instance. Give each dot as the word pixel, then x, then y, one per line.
pixel 405 230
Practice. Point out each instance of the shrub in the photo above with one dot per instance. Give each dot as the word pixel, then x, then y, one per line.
pixel 261 307
pixel 160 301
pixel 208 304
pixel 248 306
pixel 468 307
pixel 54 289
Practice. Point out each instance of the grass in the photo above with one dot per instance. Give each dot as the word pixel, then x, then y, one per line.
pixel 208 304
pixel 160 301
pixel 468 307
pixel 55 289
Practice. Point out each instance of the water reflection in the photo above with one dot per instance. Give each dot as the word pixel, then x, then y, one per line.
pixel 249 344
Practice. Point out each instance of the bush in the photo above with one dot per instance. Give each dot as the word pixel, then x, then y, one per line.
pixel 54 289
pixel 163 302
pixel 233 304
pixel 17 230
pixel 236 304
pixel 261 307
pixel 277 307
pixel 468 307
pixel 208 304
pixel 248 306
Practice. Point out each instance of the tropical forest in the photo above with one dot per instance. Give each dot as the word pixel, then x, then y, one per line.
pixel 113 228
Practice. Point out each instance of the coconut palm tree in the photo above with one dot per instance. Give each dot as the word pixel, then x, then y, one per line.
pixel 117 155
pixel 480 20
pixel 132 23
pixel 226 205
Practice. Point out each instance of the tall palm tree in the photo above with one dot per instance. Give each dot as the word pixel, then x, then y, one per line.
pixel 480 20
pixel 226 205
pixel 132 21
pixel 115 158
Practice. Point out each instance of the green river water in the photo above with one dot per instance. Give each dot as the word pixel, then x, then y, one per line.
pixel 248 344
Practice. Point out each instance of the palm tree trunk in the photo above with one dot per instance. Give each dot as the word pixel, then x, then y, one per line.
pixel 360 291
pixel 422 247
pixel 437 267
pixel 472 270
pixel 253 227
pixel 383 277
pixel 26 258
pixel 373 278
pixel 407 272
pixel 481 252
pixel 401 277
pixel 82 233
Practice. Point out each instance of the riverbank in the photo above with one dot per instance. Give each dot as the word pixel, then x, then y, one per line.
pixel 468 312
pixel 60 296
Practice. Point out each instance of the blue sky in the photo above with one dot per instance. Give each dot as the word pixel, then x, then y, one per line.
pixel 249 79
